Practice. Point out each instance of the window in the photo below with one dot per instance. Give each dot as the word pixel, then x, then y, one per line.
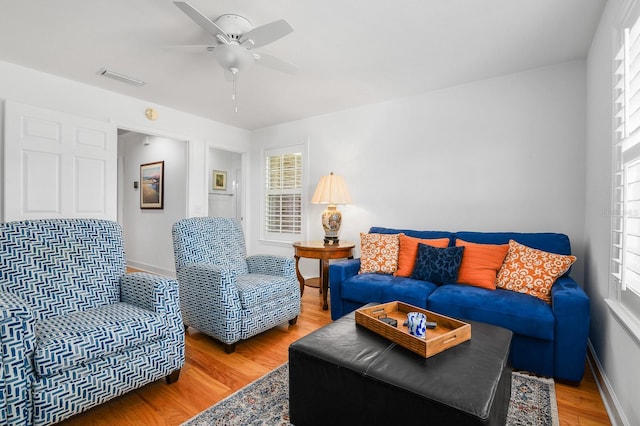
pixel 625 249
pixel 283 194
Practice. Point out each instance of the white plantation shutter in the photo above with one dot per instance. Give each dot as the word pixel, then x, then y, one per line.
pixel 625 214
pixel 631 241
pixel 617 219
pixel 283 194
pixel 631 54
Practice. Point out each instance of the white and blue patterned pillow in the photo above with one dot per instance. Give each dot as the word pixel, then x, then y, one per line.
pixel 437 265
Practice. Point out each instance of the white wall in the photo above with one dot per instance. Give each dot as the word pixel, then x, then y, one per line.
pixel 147 232
pixel 616 350
pixel 505 154
pixel 47 91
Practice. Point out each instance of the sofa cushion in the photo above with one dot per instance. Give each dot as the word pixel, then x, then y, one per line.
pixel 66 341
pixel 409 251
pixel 438 265
pixel 257 289
pixel 365 288
pixel 480 263
pixel 379 253
pixel 531 271
pixel 523 314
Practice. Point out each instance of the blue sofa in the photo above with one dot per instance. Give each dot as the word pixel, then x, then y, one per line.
pixel 549 339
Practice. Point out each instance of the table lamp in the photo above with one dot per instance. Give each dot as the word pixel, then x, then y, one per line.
pixel 331 190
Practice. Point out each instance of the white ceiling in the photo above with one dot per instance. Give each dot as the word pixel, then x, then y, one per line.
pixel 349 52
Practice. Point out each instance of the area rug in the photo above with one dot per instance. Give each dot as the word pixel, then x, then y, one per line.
pixel 266 402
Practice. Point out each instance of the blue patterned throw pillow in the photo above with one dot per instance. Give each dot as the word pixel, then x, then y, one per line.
pixel 437 265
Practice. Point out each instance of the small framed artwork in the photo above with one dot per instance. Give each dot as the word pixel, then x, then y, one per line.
pixel 152 178
pixel 219 180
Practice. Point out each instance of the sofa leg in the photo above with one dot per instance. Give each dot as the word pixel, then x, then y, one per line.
pixel 293 320
pixel 173 377
pixel 229 348
pixel 567 382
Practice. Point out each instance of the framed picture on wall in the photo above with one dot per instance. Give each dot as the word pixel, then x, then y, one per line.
pixel 152 191
pixel 219 180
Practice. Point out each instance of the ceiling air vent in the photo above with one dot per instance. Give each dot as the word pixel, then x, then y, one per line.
pixel 120 77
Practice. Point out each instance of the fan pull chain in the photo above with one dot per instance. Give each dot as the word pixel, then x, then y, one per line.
pixel 234 72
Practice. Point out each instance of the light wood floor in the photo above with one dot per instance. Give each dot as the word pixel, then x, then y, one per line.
pixel 210 375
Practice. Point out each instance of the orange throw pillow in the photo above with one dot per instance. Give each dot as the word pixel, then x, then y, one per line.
pixel 480 263
pixel 409 251
pixel 531 271
pixel 378 253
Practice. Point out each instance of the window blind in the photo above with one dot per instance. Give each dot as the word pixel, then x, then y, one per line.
pixel 283 194
pixel 625 214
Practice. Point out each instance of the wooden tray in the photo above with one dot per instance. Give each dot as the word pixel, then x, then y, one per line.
pixel 449 332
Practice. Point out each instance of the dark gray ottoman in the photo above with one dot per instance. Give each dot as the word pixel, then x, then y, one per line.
pixel 346 374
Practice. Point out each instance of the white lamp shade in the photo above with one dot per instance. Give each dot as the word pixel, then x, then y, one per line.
pixel 331 189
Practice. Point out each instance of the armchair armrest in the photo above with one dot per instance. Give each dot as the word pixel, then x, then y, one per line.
pixel 148 291
pixel 338 273
pixel 17 343
pixel 207 281
pixel 211 293
pixel 158 294
pixel 571 309
pixel 272 265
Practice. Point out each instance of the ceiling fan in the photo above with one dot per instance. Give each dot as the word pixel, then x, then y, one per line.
pixel 235 39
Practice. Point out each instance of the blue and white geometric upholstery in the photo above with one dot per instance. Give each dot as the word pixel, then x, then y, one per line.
pixel 224 293
pixel 75 330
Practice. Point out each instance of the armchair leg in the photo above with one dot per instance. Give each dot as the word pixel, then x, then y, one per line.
pixel 229 348
pixel 173 377
pixel 293 321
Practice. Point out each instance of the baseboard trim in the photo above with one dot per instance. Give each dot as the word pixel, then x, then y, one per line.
pixel 150 268
pixel 611 403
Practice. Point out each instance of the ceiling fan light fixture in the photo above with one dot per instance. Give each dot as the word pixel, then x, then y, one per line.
pixel 233 56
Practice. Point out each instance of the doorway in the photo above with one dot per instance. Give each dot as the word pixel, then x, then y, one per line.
pixel 225 184
pixel 147 232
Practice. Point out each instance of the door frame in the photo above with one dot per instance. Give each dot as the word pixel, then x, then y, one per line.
pixel 161 134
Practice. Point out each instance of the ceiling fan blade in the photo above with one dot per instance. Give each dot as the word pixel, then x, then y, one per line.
pixel 266 34
pixel 200 19
pixel 275 63
pixel 191 46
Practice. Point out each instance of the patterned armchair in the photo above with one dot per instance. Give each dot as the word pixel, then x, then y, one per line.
pixel 224 293
pixel 75 330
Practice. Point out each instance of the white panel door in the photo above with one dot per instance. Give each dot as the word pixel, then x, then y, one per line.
pixel 58 165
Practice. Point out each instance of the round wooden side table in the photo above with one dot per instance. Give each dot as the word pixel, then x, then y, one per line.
pixel 317 249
